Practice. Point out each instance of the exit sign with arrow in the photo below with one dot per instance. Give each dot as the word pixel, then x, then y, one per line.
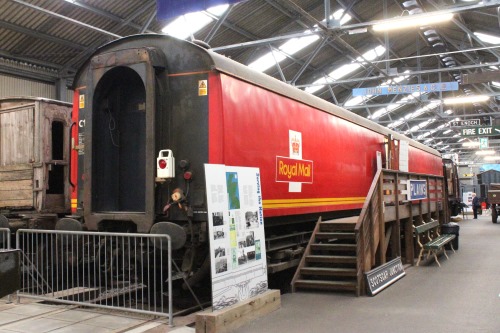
pixel 480 131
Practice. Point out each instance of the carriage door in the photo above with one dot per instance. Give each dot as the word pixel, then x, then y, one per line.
pixel 122 134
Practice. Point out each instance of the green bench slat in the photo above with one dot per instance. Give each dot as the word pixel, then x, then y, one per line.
pixel 424 227
pixel 438 242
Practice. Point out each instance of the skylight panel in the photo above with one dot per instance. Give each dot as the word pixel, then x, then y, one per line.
pixel 296 44
pixel 495 84
pixel 357 100
pixel 293 46
pixel 338 14
pixel 188 24
pixel 490 39
pixel 266 61
pixel 343 71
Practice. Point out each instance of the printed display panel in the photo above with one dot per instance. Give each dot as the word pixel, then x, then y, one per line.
pixel 236 229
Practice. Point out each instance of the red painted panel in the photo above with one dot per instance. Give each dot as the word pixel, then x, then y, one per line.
pixel 74 153
pixel 250 126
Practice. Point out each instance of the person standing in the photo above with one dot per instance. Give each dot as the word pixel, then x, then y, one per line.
pixel 475 204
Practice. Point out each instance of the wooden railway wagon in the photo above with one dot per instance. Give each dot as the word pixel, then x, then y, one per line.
pixel 142 94
pixel 34 161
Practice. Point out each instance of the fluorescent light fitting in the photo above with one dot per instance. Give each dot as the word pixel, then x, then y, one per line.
pixel 466 99
pixel 412 22
pixel 492 158
pixel 488 38
pixel 471 144
pixel 485 152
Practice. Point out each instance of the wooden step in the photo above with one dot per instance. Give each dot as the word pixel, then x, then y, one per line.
pixel 326 285
pixel 331 259
pixel 335 235
pixel 333 247
pixel 336 226
pixel 325 271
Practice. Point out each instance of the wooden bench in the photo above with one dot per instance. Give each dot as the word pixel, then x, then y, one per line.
pixel 435 241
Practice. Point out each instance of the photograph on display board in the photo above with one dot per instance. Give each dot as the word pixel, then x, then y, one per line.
pixel 221 265
pixel 217 219
pixel 252 219
pixel 219 233
pixel 220 252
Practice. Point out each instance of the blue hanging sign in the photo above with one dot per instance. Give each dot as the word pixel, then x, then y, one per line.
pixel 167 9
pixel 406 89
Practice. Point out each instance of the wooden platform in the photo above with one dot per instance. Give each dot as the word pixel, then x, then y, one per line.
pixel 230 318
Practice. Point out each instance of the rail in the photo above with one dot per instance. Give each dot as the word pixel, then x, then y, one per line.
pixel 95 269
pixel 5 238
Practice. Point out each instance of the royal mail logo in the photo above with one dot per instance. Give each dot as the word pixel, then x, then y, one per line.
pixel 292 170
pixel 295 146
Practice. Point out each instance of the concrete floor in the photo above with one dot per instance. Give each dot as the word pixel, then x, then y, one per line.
pixel 463 295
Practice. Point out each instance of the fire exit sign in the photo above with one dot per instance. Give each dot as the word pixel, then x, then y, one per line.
pixel 480 131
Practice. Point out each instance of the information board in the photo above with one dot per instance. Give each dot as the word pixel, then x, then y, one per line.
pixel 236 231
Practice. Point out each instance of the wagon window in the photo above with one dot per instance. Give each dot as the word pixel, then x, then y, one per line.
pixel 57 140
pixel 56 173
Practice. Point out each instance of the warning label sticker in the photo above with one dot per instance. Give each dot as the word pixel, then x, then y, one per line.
pixel 202 88
pixel 81 101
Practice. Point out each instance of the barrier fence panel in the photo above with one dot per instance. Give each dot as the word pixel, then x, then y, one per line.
pixel 108 270
pixel 4 238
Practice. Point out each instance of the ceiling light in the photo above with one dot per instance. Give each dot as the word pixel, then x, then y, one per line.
pixel 485 152
pixel 447 131
pixel 471 144
pixel 488 38
pixel 408 22
pixel 491 158
pixel 466 99
pixel 448 111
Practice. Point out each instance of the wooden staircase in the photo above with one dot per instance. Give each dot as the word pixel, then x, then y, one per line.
pixel 330 261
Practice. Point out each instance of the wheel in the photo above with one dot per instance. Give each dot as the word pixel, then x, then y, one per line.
pixel 494 213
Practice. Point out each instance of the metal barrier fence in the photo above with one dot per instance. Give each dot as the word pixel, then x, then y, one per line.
pixel 4 238
pixel 131 272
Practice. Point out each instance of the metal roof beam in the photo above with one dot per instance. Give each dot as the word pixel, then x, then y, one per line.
pixel 39 35
pixel 430 71
pixel 123 22
pixel 48 12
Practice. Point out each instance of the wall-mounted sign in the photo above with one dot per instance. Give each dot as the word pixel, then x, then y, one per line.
pixel 483 143
pixel 466 122
pixel 417 189
pixel 480 131
pixel 468 175
pixel 406 89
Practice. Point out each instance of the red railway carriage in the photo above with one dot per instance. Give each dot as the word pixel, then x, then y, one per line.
pixel 144 94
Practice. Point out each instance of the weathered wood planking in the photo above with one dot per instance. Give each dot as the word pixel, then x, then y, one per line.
pixel 26 184
pixel 16 172
pixel 228 319
pixel 16 186
pixel 16 135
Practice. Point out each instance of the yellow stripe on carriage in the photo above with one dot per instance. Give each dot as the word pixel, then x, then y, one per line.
pixel 313 202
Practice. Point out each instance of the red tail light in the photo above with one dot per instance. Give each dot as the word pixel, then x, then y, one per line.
pixel 162 164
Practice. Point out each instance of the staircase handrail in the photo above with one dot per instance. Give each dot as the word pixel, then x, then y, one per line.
pixel 361 229
pixel 368 198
